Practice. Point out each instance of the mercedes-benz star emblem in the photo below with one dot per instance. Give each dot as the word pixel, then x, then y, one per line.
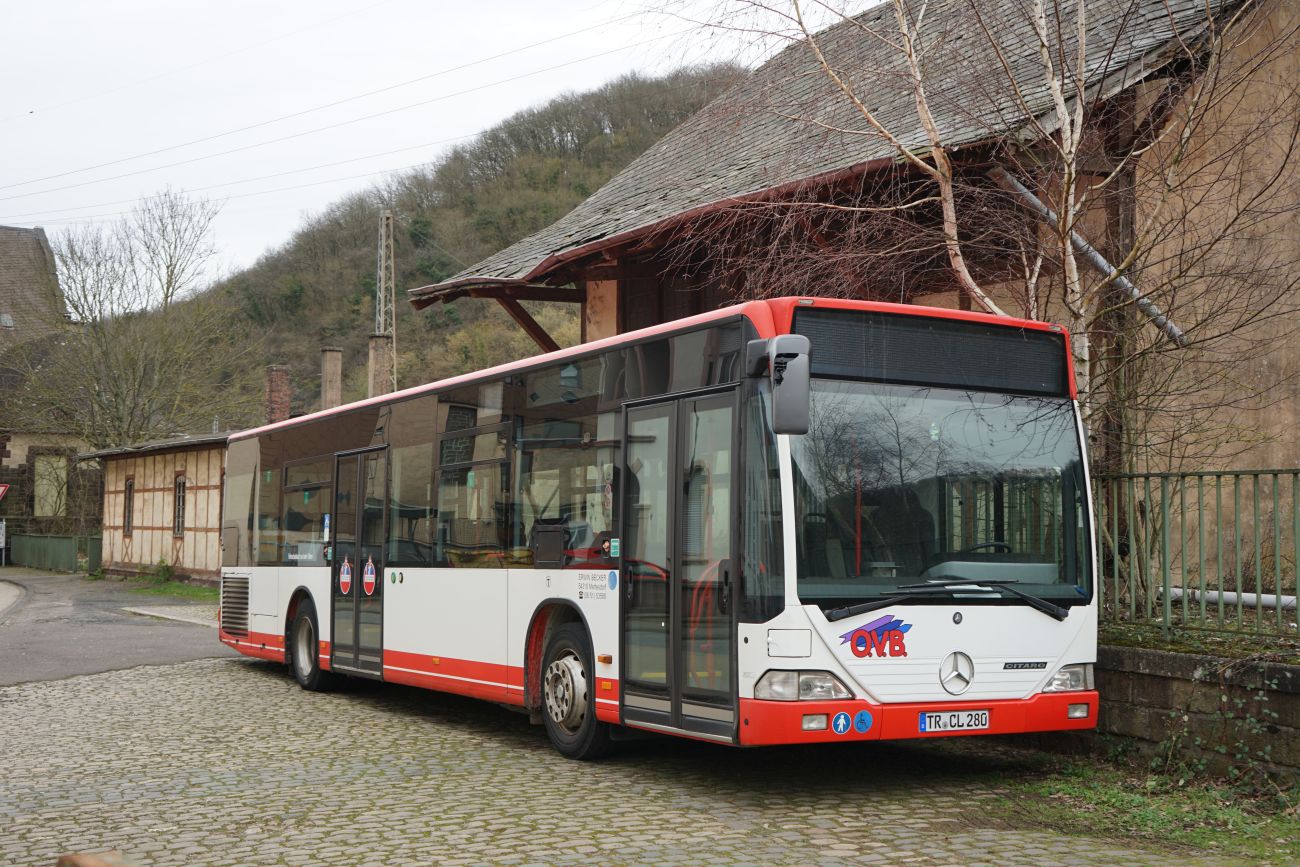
pixel 956 673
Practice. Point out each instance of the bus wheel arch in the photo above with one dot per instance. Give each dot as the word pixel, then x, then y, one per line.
pixel 291 612
pixel 302 643
pixel 549 616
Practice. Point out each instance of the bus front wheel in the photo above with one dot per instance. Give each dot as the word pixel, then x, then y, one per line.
pixel 569 696
pixel 304 650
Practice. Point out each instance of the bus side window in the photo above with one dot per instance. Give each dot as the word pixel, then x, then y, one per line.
pixel 471 516
pixel 411 501
pixel 566 491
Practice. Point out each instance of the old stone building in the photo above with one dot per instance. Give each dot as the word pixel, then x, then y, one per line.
pixel 49 492
pixel 814 176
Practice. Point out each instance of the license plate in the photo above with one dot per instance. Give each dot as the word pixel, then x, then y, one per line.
pixel 954 720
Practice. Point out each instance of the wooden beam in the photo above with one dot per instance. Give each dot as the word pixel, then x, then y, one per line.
pixel 558 294
pixel 529 324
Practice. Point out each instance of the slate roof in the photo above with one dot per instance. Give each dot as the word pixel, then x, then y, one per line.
pixel 786 123
pixel 26 269
pixel 176 443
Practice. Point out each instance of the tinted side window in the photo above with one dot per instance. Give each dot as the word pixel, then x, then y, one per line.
pixel 472 515
pixel 566 451
pixel 238 529
pixel 270 539
pixel 762 552
pixel 411 508
pixel 308 492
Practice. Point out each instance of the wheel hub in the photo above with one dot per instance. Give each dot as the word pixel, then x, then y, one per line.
pixel 565 692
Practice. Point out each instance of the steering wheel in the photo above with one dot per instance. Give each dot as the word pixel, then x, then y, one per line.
pixel 1001 547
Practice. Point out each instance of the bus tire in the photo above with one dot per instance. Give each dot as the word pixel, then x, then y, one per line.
pixel 569 696
pixel 304 650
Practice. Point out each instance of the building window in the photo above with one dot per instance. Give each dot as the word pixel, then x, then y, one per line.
pixel 178 508
pixel 128 506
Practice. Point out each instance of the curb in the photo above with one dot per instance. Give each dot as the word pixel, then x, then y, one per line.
pixel 179 618
pixel 19 593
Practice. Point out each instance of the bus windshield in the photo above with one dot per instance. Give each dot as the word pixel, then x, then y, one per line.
pixel 898 485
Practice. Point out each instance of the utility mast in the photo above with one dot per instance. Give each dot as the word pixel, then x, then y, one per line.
pixel 383 343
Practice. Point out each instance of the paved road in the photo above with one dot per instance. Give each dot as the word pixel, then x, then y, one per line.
pixel 227 761
pixel 62 625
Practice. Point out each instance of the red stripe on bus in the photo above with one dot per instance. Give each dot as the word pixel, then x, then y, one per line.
pixel 781 722
pixel 462 676
pixel 258 644
pixel 607 700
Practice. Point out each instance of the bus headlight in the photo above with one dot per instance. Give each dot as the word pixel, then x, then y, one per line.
pixel 1071 678
pixel 800 686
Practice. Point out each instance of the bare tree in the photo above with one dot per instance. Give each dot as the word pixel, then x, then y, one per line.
pixel 142 352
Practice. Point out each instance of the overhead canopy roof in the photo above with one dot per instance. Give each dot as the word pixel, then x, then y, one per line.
pixel 787 124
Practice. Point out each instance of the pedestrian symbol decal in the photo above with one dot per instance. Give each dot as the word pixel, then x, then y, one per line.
pixel 368 577
pixel 345 577
pixel 841 723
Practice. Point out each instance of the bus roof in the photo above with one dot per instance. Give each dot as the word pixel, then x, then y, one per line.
pixel 769 317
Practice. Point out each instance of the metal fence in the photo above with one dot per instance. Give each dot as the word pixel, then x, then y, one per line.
pixel 58 553
pixel 1203 550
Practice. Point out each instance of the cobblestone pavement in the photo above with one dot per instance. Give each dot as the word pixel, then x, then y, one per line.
pixel 227 761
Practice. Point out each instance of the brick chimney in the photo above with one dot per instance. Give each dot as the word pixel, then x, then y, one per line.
pixel 278 393
pixel 331 377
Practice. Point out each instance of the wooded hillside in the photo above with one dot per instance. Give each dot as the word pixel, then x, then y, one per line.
pixel 318 289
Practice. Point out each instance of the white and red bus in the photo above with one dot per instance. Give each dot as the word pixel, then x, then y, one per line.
pixel 786 521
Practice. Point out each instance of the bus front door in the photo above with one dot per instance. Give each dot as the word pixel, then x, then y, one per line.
pixel 357 637
pixel 678 566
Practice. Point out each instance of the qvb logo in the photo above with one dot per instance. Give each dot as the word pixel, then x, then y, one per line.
pixel 881 637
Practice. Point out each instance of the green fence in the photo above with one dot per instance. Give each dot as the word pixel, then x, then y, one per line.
pixel 58 553
pixel 1214 550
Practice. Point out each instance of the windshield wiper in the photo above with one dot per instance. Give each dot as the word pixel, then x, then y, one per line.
pixel 863 607
pixel 1051 609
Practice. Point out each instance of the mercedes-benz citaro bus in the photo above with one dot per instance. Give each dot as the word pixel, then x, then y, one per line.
pixel 788 521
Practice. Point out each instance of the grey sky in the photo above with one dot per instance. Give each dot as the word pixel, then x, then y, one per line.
pixel 89 82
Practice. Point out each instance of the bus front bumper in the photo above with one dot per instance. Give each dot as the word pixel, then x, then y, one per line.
pixel 786 722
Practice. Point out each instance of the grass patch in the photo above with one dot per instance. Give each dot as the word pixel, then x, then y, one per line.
pixel 153 585
pixel 1231 645
pixel 1093 798
pixel 177 590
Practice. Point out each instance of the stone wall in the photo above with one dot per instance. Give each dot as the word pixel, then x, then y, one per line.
pixel 1206 707
pixel 1199 709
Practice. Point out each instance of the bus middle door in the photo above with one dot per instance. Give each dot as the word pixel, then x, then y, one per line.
pixel 677 566
pixel 357 645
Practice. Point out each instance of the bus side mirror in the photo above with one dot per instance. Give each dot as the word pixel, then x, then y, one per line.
pixel 785 359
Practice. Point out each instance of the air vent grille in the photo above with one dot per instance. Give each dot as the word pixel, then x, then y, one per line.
pixel 234 605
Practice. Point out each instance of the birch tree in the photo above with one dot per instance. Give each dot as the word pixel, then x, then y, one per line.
pixel 1183 178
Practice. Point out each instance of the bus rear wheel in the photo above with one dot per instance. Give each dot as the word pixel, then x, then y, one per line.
pixel 569 696
pixel 304 650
